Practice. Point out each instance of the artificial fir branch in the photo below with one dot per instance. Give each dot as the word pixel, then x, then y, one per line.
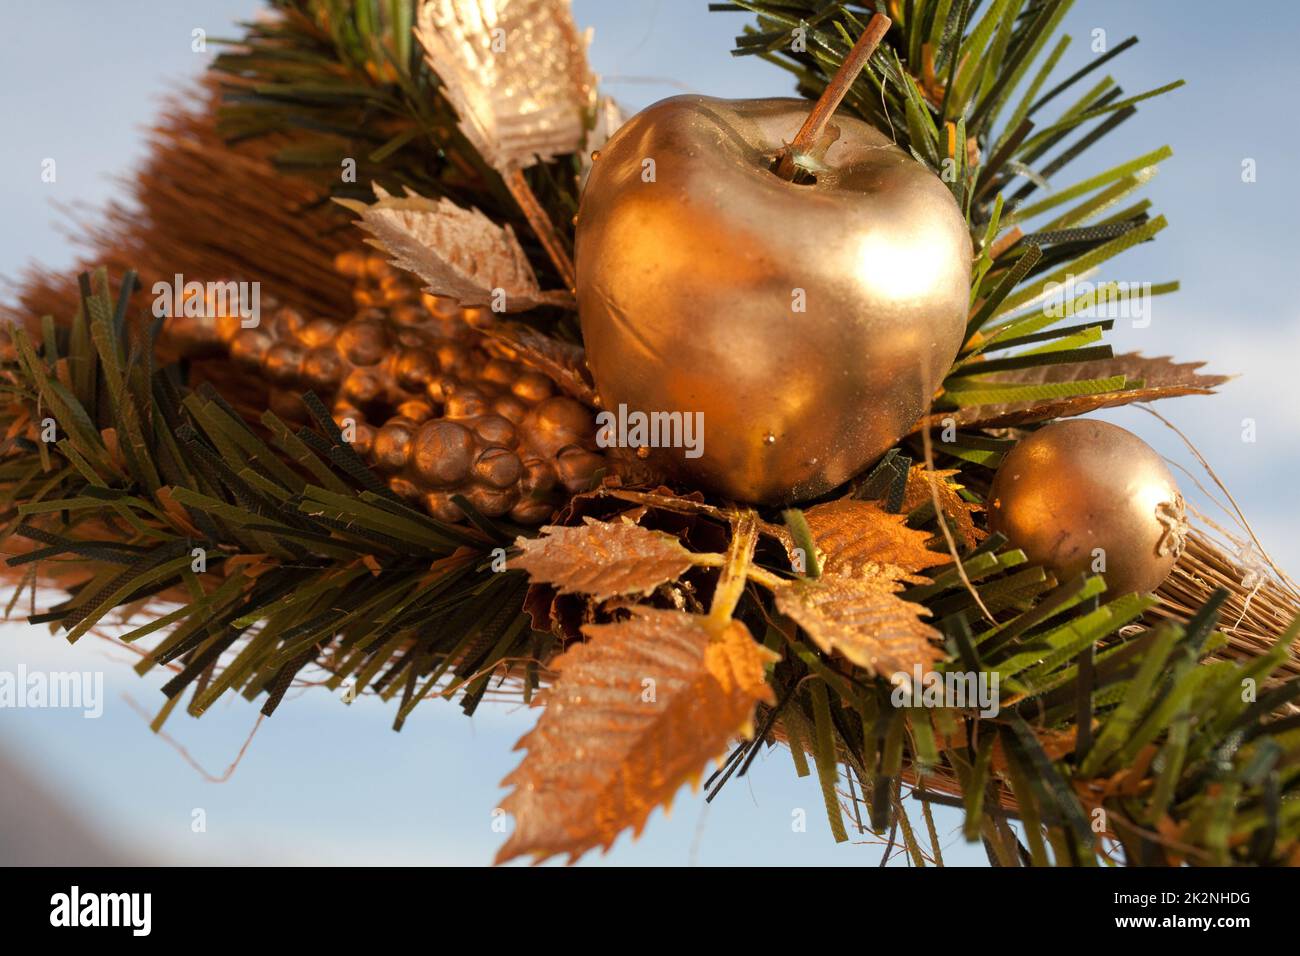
pixel 264 550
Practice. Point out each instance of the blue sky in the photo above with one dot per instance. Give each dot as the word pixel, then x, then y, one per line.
pixel 328 783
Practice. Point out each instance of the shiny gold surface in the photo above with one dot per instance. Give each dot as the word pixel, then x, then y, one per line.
pixel 516 72
pixel 431 405
pixel 686 286
pixel 1080 485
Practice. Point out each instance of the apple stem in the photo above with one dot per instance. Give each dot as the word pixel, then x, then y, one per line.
pixel 815 125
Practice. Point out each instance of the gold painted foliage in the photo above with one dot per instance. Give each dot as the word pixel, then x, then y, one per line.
pixel 458 253
pixel 516 71
pixel 960 511
pixel 1145 379
pixel 852 534
pixel 861 617
pixel 853 608
pixel 602 559
pixel 637 711
pixel 645 703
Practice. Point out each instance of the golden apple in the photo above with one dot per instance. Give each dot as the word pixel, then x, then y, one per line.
pixel 809 322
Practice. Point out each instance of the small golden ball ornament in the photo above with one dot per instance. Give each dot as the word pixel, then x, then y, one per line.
pixel 809 321
pixel 1084 496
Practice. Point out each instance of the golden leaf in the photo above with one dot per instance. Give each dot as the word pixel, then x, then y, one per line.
pixel 952 504
pixel 458 253
pixel 862 618
pixel 563 614
pixel 610 746
pixel 602 558
pixel 853 533
pixel 516 73
pixel 1148 379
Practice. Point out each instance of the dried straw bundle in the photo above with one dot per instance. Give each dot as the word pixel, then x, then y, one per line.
pixel 1259 607
pixel 206 209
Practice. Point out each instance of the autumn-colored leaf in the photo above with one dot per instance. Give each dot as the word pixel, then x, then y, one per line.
pixel 458 253
pixel 637 711
pixel 1147 379
pixel 661 510
pixel 602 558
pixel 853 534
pixel 862 618
pixel 952 504
pixel 520 102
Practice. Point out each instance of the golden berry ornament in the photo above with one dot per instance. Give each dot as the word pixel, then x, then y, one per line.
pixel 431 404
pixel 810 321
pixel 1084 496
